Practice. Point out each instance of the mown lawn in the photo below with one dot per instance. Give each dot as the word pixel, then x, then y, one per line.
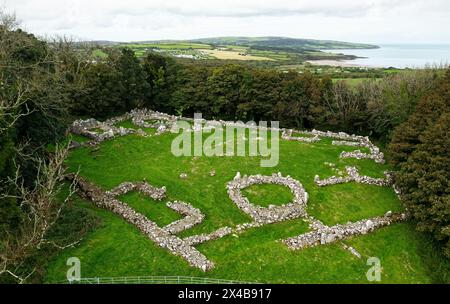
pixel 119 249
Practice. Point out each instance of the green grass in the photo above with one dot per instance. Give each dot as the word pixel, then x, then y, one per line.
pixel 168 45
pixel 268 194
pixel 154 210
pixel 127 124
pixel 119 249
pixel 78 138
pixel 299 134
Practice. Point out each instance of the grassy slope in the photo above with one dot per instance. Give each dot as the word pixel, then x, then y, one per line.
pixel 118 249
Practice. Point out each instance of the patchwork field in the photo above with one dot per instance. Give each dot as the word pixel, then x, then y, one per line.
pixel 233 55
pixel 118 248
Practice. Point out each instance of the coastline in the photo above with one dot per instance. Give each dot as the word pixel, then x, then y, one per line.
pixel 337 63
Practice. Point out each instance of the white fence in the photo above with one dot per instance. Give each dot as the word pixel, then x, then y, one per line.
pixel 155 280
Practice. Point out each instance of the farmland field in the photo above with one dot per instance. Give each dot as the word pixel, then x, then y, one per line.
pixel 233 55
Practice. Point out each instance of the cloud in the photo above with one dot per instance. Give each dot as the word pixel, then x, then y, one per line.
pixel 158 19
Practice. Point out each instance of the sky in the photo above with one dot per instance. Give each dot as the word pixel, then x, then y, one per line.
pixel 365 21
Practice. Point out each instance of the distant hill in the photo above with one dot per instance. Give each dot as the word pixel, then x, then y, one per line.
pixel 284 43
pixel 262 51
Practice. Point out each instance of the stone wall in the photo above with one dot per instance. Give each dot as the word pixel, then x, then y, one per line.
pixel 201 238
pixel 273 213
pixel 326 235
pixel 143 187
pixel 100 131
pixel 353 176
pixel 192 217
pixel 165 236
pixel 160 236
pixel 378 157
pixel 287 135
pixel 164 122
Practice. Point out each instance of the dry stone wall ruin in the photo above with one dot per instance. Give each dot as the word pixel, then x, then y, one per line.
pixel 160 236
pixel 98 131
pixel 353 176
pixel 326 235
pixel 273 213
pixel 166 237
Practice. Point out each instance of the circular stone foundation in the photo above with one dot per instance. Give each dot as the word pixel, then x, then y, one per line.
pixel 294 209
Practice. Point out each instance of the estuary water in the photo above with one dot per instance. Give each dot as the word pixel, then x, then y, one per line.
pixel 399 55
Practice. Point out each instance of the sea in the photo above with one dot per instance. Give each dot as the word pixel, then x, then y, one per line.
pixel 400 55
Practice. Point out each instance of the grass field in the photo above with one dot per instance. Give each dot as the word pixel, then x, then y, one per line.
pixel 168 45
pixel 119 249
pixel 233 55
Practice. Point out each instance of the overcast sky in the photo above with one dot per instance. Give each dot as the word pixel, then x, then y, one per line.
pixel 371 21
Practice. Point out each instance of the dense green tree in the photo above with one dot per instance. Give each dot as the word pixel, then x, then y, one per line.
pixel 102 91
pixel 260 96
pixel 420 149
pixel 191 94
pixel 225 89
pixel 424 181
pixel 132 79
pixel 405 138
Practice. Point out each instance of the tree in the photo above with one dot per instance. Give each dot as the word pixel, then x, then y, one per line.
pixel 225 87
pixel 132 79
pixel 41 208
pixel 156 70
pixel 103 90
pixel 405 138
pixel 423 180
pixel 260 96
pixel 420 148
pixel 391 100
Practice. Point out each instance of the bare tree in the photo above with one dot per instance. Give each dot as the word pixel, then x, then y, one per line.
pixel 8 21
pixel 42 209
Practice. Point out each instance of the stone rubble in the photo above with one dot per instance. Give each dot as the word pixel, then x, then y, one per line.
pixel 375 155
pixel 273 213
pixel 164 122
pixel 327 235
pixel 352 250
pixel 100 131
pixel 165 236
pixel 158 235
pixel 157 194
pixel 287 135
pixel 348 143
pixel 353 176
pixel 161 121
pixel 192 217
pixel 201 238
